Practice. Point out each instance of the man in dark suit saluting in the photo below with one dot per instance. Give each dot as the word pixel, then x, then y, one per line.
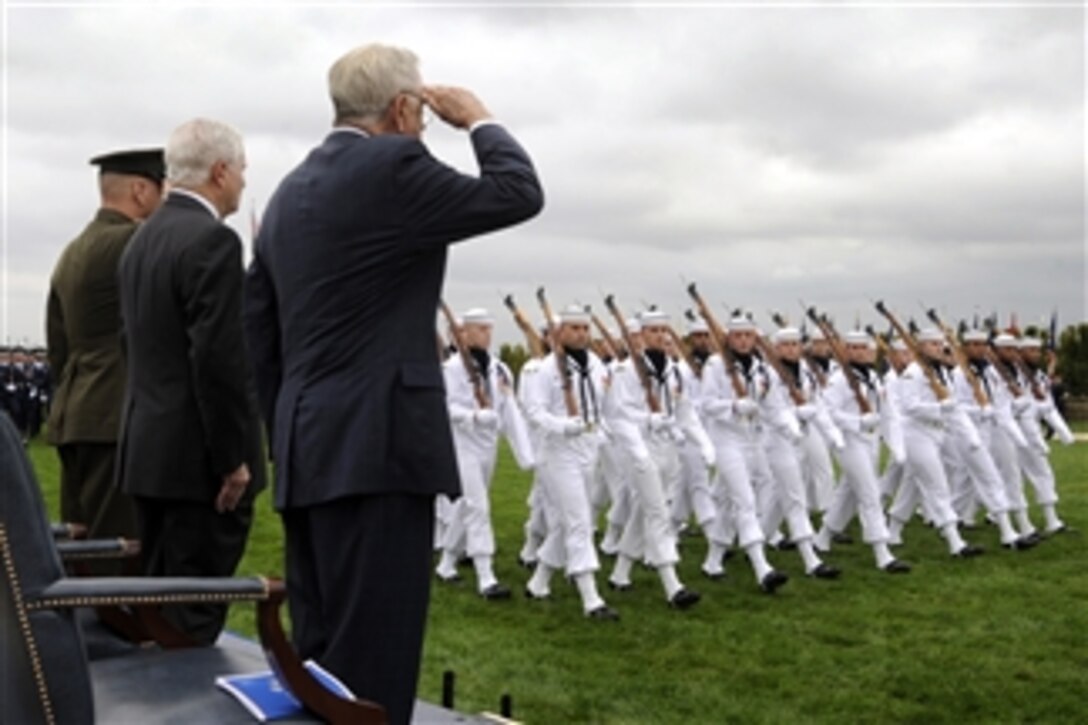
pixel 190 450
pixel 340 319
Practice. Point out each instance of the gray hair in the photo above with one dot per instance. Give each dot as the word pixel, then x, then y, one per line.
pixel 364 81
pixel 195 146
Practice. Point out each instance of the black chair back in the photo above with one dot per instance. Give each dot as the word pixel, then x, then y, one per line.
pixel 43 666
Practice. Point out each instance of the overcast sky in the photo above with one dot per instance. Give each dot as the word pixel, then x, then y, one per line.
pixel 837 152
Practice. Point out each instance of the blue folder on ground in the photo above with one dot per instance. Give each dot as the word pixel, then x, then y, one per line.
pixel 266 697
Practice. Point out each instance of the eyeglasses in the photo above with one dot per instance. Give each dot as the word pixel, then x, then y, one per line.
pixel 426 116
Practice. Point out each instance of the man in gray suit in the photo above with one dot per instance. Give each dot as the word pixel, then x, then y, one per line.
pixel 341 303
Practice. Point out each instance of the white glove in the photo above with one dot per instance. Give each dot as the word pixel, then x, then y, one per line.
pixel 659 422
pixel 986 412
pixel 1021 404
pixel 899 455
pixel 806 411
pixel 745 407
pixel 717 409
pixel 710 456
pixel 573 427
pixel 869 422
pixel 837 441
pixel 486 418
pixel 948 405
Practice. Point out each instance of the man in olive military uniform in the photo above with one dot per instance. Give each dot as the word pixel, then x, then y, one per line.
pixel 83 330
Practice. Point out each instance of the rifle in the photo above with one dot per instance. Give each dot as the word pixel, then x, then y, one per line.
pixel 939 390
pixel 683 350
pixel 961 359
pixel 717 335
pixel 560 356
pixel 536 345
pixel 786 376
pixel 636 358
pixel 478 389
pixel 609 341
pixel 839 354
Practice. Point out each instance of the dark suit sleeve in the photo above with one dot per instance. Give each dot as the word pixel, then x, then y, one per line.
pixel 212 288
pixel 263 337
pixel 444 205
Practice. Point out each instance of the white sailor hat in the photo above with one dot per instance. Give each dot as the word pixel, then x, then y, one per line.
pixel 975 336
pixel 930 334
pixel 1005 340
pixel 574 314
pixel 654 317
pixel 697 325
pixel 742 324
pixel 634 325
pixel 898 345
pixel 786 334
pixel 477 316
pixel 857 337
pixel 1030 342
pixel 816 334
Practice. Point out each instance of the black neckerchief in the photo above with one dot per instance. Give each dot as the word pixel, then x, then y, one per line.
pixel 578 359
pixel 659 362
pixel 863 372
pixel 794 368
pixel 482 360
pixel 823 362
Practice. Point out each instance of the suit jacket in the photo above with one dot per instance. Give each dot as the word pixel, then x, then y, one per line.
pixel 83 331
pixel 341 301
pixel 190 408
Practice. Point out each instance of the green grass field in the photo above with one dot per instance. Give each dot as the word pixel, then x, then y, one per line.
pixel 1002 638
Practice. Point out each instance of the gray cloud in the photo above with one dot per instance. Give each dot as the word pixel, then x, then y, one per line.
pixel 832 153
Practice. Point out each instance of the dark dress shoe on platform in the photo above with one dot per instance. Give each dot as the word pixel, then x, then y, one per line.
pixel 772 581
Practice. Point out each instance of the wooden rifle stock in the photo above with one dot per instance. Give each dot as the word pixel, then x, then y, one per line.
pixel 786 376
pixel 609 341
pixel 474 376
pixel 961 359
pixel 839 354
pixel 685 353
pixel 560 354
pixel 536 345
pixel 939 390
pixel 636 356
pixel 717 334
pixel 1003 372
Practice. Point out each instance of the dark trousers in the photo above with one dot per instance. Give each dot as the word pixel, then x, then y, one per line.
pixel 89 497
pixel 186 538
pixel 358 582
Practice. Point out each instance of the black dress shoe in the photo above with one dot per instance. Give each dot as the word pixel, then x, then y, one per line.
pixel 495 592
pixel 526 563
pixel 604 613
pixel 619 587
pixel 536 597
pixel 464 561
pixel 785 545
pixel 728 554
pixel 896 566
pixel 967 526
pixel 455 579
pixel 1021 544
pixel 772 581
pixel 842 538
pixel 1051 532
pixel 968 552
pixel 684 599
pixel 825 571
pixel 714 576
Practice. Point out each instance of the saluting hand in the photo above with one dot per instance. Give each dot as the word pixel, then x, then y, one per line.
pixel 459 107
pixel 234 487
